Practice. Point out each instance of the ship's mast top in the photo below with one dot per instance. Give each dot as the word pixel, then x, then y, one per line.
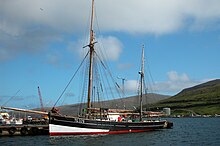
pixel 91 50
pixel 91 27
pixel 142 60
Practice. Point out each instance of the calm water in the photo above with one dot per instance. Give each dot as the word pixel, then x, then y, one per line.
pixel 186 131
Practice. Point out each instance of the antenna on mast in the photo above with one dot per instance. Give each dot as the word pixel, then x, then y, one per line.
pixel 123 84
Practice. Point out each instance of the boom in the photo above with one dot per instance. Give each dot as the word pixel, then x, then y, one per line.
pixel 25 110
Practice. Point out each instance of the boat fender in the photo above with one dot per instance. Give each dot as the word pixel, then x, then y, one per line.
pixel 165 124
pixel 34 130
pixel 11 130
pixel 24 131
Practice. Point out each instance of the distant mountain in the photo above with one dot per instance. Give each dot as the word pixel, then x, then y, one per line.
pixel 127 103
pixel 201 99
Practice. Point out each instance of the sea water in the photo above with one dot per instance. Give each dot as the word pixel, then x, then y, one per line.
pixel 186 131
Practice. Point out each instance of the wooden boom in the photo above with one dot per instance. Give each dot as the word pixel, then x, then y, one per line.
pixel 25 110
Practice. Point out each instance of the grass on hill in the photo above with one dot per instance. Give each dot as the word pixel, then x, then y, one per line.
pixel 201 99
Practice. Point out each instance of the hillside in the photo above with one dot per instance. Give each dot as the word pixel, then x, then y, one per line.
pixel 128 103
pixel 201 99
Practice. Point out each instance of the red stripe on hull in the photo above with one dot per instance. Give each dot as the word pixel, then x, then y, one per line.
pixel 96 133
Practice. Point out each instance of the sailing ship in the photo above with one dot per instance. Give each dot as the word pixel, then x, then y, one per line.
pixel 102 120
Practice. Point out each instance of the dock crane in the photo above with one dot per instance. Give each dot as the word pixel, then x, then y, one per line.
pixel 41 102
pixel 42 112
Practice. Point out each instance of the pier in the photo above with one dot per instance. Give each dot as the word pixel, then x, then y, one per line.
pixel 10 130
pixel 29 126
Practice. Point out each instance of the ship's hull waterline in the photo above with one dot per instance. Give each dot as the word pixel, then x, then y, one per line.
pixel 92 127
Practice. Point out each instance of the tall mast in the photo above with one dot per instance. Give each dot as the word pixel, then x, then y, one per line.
pixel 142 83
pixel 91 47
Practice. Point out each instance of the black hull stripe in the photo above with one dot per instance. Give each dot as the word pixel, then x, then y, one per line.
pixel 112 126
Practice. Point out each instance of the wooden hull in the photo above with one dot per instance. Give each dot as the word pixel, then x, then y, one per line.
pixel 74 126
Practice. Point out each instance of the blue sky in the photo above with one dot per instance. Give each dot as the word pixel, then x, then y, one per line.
pixel 41 45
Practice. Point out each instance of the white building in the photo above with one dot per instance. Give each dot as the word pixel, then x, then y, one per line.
pixel 166 111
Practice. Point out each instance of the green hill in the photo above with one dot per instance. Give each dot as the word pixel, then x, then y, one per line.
pixel 203 99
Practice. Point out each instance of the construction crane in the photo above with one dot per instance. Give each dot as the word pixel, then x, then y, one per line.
pixel 41 102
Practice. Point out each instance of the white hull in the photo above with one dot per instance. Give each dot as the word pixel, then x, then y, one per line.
pixel 67 130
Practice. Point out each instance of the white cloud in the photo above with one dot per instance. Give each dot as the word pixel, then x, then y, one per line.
pixel 111 46
pixel 157 17
pixel 175 83
pixel 31 41
pixel 142 16
pixel 131 86
pixel 108 47
pixel 29 26
pixel 175 77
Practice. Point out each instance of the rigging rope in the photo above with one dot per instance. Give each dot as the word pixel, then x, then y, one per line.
pixel 84 85
pixel 118 89
pixel 11 97
pixel 71 79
